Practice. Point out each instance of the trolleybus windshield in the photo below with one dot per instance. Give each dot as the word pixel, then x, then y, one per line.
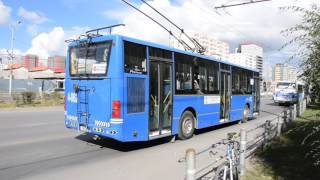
pixel 91 59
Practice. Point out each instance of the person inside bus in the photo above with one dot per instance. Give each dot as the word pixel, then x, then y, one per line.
pixel 179 81
pixel 243 90
pixel 196 86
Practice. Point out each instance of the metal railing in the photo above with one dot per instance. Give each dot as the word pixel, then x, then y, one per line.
pixel 268 130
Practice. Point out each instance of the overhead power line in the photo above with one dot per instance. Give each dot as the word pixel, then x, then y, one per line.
pixel 197 45
pixel 184 44
pixel 240 4
pixel 200 49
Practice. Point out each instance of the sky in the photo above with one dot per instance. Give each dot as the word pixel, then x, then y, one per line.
pixel 46 24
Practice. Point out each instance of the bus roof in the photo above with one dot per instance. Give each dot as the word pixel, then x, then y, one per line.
pixel 156 45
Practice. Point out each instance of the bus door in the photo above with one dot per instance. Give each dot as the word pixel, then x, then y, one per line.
pixel 225 95
pixel 256 94
pixel 160 97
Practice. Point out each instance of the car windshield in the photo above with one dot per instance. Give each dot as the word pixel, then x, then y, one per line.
pixel 286 85
pixel 91 59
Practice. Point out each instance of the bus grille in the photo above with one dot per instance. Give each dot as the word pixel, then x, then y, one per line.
pixel 136 95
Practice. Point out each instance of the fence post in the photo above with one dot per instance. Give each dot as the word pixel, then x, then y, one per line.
pixel 298 108
pixel 266 134
pixel 288 116
pixel 190 164
pixel 294 112
pixel 279 126
pixel 291 113
pixel 243 148
pixel 285 116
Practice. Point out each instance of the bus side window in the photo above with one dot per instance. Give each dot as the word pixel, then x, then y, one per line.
pixel 135 58
pixel 236 79
pixel 213 73
pixel 183 68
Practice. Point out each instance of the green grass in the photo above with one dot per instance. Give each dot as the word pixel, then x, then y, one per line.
pixel 55 99
pixel 11 104
pixel 295 155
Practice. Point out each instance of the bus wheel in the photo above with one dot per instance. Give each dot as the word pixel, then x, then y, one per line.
pixel 186 127
pixel 245 114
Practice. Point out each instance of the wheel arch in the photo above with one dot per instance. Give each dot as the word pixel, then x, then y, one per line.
pixel 194 112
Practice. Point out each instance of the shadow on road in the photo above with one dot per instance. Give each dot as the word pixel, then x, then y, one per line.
pixel 105 142
pixel 208 129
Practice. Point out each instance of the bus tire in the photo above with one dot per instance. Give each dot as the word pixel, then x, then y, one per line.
pixel 246 112
pixel 187 125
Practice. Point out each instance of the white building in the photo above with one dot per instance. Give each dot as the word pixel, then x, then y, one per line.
pixel 255 51
pixel 213 46
pixel 17 73
pixel 243 59
pixel 267 72
pixel 284 72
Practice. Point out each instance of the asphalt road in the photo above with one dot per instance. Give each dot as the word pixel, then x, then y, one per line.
pixel 34 144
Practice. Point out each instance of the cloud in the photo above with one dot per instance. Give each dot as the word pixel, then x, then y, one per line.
pixel 49 43
pixel 52 43
pixel 34 19
pixel 32 16
pixel 259 23
pixel 4 13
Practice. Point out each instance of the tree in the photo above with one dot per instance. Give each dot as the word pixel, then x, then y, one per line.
pixel 307 36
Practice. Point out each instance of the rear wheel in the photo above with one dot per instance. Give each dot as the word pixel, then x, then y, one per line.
pixel 187 124
pixel 225 170
pixel 246 112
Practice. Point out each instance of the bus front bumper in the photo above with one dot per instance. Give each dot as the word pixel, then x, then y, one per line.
pixel 285 100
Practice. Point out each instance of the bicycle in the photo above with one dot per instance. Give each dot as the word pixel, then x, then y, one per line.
pixel 229 169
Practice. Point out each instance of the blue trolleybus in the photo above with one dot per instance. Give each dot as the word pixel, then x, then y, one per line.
pixel 132 90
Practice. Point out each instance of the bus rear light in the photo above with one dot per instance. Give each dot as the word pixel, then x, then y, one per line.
pixel 116 111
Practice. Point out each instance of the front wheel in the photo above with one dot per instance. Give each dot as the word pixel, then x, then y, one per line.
pixel 187 125
pixel 223 173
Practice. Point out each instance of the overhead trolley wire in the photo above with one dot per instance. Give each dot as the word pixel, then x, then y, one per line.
pixel 240 4
pixel 199 47
pixel 183 43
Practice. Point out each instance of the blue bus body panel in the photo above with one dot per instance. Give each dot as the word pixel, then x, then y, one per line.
pixel 238 103
pixel 207 114
pixel 101 92
pixel 136 127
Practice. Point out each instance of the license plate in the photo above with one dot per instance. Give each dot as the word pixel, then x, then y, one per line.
pixel 83 128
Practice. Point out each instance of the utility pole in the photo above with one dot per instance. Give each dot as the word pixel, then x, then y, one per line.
pixel 12 27
pixel 240 4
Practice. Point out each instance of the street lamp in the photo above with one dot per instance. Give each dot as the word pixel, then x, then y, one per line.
pixel 12 27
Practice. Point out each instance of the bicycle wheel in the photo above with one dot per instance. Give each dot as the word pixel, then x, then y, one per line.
pixel 224 169
pixel 221 170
